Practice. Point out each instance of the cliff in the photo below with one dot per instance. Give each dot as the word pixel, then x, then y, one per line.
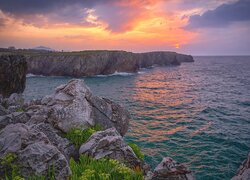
pixel 90 63
pixel 13 70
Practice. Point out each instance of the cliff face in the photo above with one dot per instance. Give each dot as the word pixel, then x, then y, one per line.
pixel 13 70
pixel 99 62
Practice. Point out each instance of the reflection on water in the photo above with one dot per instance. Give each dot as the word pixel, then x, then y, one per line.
pixel 198 113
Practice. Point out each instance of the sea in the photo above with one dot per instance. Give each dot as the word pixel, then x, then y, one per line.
pixel 197 113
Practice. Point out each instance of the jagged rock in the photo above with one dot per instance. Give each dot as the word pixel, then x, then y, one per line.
pixel 62 144
pixel 38 157
pixel 243 172
pixel 74 106
pixel 169 169
pixel 109 114
pixel 3 111
pixel 35 153
pixel 13 70
pixel 109 143
pixel 13 118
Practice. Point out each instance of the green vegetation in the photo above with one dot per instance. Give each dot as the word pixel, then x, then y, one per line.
pixel 19 110
pixel 79 136
pixel 136 150
pixel 10 168
pixel 89 168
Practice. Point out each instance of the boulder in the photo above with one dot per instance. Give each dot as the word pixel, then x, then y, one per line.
pixel 169 169
pixel 3 111
pixel 109 143
pixel 13 70
pixel 13 118
pixel 62 144
pixel 35 153
pixel 243 172
pixel 74 106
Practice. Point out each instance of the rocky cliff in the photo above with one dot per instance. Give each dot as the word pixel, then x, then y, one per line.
pixel 90 63
pixel 13 70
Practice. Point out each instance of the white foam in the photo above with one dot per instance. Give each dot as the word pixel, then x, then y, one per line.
pixel 33 75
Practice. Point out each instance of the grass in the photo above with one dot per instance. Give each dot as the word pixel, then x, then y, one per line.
pixel 136 150
pixel 89 168
pixel 79 136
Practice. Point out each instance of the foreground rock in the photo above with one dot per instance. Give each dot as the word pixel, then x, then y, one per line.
pixel 109 143
pixel 35 153
pixel 74 106
pixel 90 63
pixel 169 169
pixel 243 172
pixel 13 70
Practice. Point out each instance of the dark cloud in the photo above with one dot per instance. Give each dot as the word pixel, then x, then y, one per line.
pixel 222 16
pixel 19 7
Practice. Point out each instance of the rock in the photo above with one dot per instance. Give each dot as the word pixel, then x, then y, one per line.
pixel 74 106
pixel 109 114
pixel 35 153
pixel 68 106
pixel 109 143
pixel 16 117
pixel 169 169
pixel 3 111
pixel 90 63
pixel 38 157
pixel 243 172
pixel 62 144
pixel 13 70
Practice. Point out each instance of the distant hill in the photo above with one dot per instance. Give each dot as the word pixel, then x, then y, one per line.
pixel 42 48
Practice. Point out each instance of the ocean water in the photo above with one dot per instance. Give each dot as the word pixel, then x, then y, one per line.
pixel 197 113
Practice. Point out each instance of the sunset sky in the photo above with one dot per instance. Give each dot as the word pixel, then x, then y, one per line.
pixel 198 27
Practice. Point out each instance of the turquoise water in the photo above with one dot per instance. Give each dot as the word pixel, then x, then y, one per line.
pixel 198 113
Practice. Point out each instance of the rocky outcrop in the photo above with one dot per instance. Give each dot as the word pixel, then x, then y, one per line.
pixel 90 63
pixel 35 153
pixel 13 69
pixel 169 169
pixel 109 143
pixel 243 172
pixel 74 106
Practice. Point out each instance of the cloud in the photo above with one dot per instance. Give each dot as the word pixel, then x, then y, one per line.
pixel 114 15
pixel 222 16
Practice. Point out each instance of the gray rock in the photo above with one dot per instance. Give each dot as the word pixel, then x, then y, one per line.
pixel 3 111
pixel 109 114
pixel 35 153
pixel 38 157
pixel 62 144
pixel 16 117
pixel 15 100
pixel 169 169
pixel 68 106
pixel 109 143
pixel 243 172
pixel 74 106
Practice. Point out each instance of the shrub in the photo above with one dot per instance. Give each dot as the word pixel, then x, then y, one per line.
pixel 79 136
pixel 136 150
pixel 89 168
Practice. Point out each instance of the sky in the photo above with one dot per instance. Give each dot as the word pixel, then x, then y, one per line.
pixel 196 27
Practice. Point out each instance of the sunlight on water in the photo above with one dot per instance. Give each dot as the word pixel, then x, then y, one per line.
pixel 198 113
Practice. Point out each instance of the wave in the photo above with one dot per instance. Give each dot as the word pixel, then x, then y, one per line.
pixel 33 75
pixel 118 74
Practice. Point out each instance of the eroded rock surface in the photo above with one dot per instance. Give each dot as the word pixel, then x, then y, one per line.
pixel 74 106
pixel 109 143
pixel 169 169
pixel 35 153
pixel 243 172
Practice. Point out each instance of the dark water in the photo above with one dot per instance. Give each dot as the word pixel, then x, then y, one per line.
pixel 198 113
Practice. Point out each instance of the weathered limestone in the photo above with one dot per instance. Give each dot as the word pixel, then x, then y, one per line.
pixel 243 172
pixel 109 143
